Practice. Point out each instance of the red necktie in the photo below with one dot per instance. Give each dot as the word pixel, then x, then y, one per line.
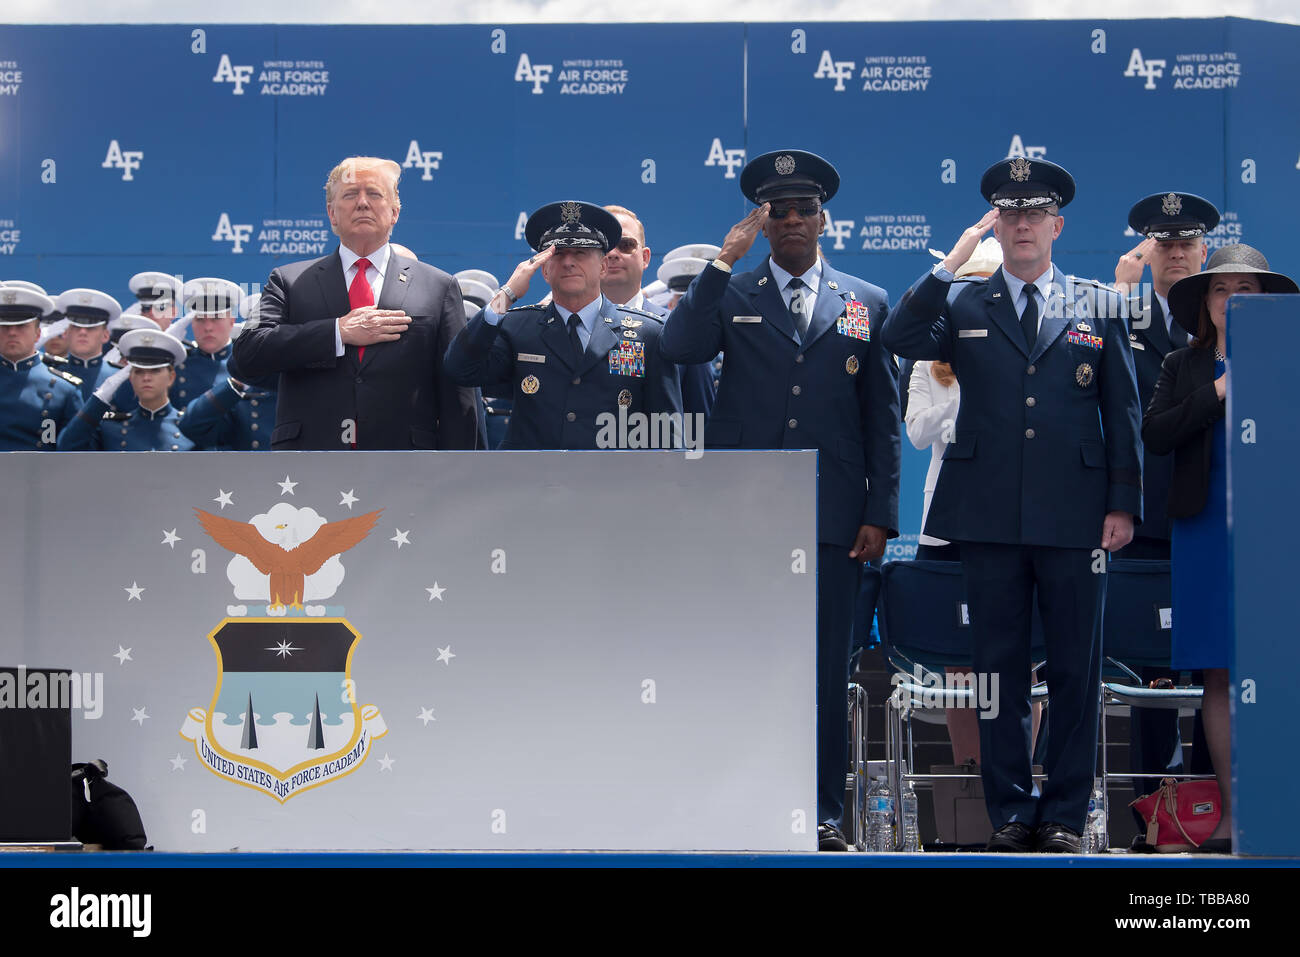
pixel 360 294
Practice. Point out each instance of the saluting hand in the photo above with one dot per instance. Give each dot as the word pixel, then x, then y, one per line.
pixel 366 325
pixel 742 235
pixel 1129 268
pixel 965 248
pixel 519 280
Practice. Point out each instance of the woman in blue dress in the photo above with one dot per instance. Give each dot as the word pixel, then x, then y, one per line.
pixel 1186 418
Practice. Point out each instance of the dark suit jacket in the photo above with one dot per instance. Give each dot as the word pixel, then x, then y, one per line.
pixel 397 396
pixel 836 392
pixel 1180 419
pixel 1046 439
pixel 1151 342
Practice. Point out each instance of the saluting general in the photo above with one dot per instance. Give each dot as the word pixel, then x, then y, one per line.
pixel 1045 468
pixel 576 359
pixel 804 369
pixel 357 338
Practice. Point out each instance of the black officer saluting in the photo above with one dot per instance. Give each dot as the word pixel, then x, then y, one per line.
pixel 574 359
pixel 154 425
pixel 1044 468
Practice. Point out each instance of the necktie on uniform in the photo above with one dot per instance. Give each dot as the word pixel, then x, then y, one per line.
pixel 1029 318
pixel 798 307
pixel 360 294
pixel 574 340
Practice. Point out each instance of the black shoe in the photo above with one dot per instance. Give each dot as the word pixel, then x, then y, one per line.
pixel 830 838
pixel 1013 838
pixel 1053 838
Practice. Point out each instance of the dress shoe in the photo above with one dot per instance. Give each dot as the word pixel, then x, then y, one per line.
pixel 830 838
pixel 1013 838
pixel 1053 838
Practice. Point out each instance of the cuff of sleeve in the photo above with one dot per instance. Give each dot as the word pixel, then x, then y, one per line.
pixel 338 339
pixel 942 273
pixel 490 317
pixel 719 264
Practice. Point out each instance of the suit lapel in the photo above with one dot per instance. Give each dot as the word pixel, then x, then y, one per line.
pixel 556 336
pixel 997 298
pixel 1057 313
pixel 769 303
pixel 334 293
pixel 396 282
pixel 829 307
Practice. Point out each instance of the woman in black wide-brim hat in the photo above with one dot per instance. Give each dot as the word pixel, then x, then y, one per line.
pixel 1186 418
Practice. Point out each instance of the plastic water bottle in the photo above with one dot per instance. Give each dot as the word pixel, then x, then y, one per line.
pixel 909 818
pixel 880 817
pixel 1096 836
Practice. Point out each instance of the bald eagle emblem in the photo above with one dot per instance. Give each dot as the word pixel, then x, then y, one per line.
pixel 1020 170
pixel 286 556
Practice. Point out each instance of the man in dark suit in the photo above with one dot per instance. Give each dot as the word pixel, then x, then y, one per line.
pixel 1173 226
pixel 804 369
pixel 1043 476
pixel 358 337
pixel 579 365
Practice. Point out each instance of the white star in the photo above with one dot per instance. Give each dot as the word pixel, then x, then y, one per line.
pixel 170 539
pixel 287 486
pixel 446 654
pixel 284 649
pixel 401 538
pixel 348 498
pixel 385 763
pixel 139 716
pixel 223 499
pixel 426 715
pixel 123 654
pixel 435 592
pixel 178 762
pixel 133 592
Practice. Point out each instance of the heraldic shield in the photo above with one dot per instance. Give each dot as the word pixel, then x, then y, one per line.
pixel 283 717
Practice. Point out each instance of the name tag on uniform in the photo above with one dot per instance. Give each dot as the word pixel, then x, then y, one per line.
pixel 628 358
pixel 972 333
pixel 746 318
pixel 1138 345
pixel 529 357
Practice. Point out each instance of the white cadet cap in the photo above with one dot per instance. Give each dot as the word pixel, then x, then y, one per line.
pixel 677 274
pixel 155 287
pixel 24 284
pixel 209 297
pixel 471 290
pixel 694 251
pixel 147 349
pixel 88 307
pixel 480 275
pixel 19 305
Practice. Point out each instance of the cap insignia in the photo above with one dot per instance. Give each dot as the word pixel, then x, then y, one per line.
pixel 1020 169
pixel 1171 205
pixel 785 164
pixel 571 212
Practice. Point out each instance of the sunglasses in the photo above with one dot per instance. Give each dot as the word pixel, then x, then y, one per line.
pixel 781 212
pixel 628 246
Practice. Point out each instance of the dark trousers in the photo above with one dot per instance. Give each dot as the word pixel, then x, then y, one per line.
pixel 1000 585
pixel 837 588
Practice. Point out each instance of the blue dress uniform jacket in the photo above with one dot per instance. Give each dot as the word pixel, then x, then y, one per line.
pixel 135 431
pixel 223 419
pixel 837 392
pixel 1032 461
pixel 555 405
pixel 699 388
pixel 1151 342
pixel 35 405
pixel 200 371
pixel 92 372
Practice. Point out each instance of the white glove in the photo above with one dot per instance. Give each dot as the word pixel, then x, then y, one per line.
pixel 52 331
pixel 108 388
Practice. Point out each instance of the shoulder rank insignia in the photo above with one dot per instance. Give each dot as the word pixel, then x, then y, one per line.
pixel 50 360
pixel 536 305
pixel 66 376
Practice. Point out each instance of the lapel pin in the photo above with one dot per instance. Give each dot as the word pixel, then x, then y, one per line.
pixel 833 284
pixel 401 277
pixel 763 281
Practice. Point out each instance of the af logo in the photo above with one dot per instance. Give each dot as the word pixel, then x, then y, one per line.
pixel 283 716
pixel 238 75
pixel 125 160
pixel 526 72
pixel 1018 149
pixel 840 230
pixel 426 160
pixel 236 235
pixel 1148 69
pixel 837 70
pixel 728 158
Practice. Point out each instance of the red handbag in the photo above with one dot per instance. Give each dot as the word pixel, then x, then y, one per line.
pixel 1180 815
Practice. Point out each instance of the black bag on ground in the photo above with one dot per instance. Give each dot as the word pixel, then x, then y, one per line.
pixel 102 813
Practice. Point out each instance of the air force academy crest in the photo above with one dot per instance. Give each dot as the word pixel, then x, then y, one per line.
pixel 283 717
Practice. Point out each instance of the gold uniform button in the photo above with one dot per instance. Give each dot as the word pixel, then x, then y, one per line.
pixel 1029 433
pixel 793 423
pixel 796 390
pixel 572 417
pixel 1031 402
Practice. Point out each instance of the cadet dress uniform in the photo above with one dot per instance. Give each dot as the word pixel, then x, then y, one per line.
pixel 562 380
pixel 36 402
pixel 231 416
pixel 1046 446
pixel 204 298
pixel 88 308
pixel 831 388
pixel 157 296
pixel 98 428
